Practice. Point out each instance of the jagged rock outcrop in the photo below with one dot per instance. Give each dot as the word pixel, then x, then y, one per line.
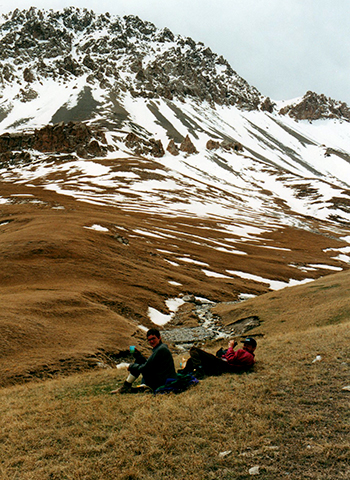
pixel 40 44
pixel 314 107
pixel 73 137
pixel 173 148
pixel 187 146
pixel 140 146
pixel 267 105
pixel 28 75
pixel 225 145
pixel 232 146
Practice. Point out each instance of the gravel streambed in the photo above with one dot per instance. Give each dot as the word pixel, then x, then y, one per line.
pixel 209 326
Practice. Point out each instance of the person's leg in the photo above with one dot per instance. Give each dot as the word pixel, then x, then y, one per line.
pixel 189 367
pixel 210 364
pixel 127 385
pixel 130 379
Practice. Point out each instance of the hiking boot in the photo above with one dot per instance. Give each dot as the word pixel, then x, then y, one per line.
pixel 141 389
pixel 125 388
pixel 199 373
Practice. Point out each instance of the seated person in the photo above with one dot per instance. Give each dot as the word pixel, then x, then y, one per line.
pixel 155 370
pixel 229 360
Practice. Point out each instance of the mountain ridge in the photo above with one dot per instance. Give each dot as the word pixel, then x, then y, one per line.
pixel 125 51
pixel 130 54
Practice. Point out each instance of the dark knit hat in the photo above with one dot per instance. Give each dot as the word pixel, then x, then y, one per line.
pixel 249 341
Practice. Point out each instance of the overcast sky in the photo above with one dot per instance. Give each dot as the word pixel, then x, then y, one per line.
pixel 282 47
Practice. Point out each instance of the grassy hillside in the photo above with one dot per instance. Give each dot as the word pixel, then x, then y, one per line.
pixel 70 294
pixel 289 417
pixel 319 303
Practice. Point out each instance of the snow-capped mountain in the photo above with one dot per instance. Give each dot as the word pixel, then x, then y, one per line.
pixel 164 125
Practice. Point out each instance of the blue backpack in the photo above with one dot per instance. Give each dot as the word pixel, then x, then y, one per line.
pixel 182 382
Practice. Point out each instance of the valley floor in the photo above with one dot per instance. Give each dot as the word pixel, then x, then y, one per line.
pixel 78 279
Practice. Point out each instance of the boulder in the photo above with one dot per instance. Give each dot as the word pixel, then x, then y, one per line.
pixel 187 146
pixel 172 148
pixel 157 149
pixel 225 145
pixel 212 144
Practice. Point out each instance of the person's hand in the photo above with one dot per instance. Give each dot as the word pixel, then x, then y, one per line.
pixel 136 353
pixel 232 344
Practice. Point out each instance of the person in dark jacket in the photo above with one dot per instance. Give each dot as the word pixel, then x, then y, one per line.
pixel 224 361
pixel 155 370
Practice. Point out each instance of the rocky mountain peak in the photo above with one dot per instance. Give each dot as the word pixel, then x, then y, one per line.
pixel 313 106
pixel 116 53
pixel 102 58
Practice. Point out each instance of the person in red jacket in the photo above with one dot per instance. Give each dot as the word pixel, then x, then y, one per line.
pixel 204 363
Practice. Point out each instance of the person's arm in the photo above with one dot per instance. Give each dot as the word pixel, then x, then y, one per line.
pixel 142 365
pixel 139 359
pixel 239 358
pixel 230 355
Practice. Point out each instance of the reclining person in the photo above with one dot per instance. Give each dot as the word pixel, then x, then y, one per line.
pixel 155 370
pixel 204 363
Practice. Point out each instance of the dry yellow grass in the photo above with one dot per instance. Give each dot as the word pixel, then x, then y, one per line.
pixel 289 417
pixel 324 301
pixel 69 293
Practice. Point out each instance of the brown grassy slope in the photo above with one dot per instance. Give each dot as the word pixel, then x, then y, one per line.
pixel 69 295
pixel 289 417
pixel 322 302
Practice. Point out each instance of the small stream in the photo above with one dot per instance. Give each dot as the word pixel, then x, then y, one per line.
pixel 210 327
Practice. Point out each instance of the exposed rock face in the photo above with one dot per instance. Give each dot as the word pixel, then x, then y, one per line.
pixel 73 42
pixel 59 138
pixel 172 148
pixel 141 146
pixel 314 107
pixel 187 146
pixel 67 138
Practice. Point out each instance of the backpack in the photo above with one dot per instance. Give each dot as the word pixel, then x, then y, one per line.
pixel 182 382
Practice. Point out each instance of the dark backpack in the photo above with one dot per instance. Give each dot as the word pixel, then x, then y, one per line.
pixel 182 382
